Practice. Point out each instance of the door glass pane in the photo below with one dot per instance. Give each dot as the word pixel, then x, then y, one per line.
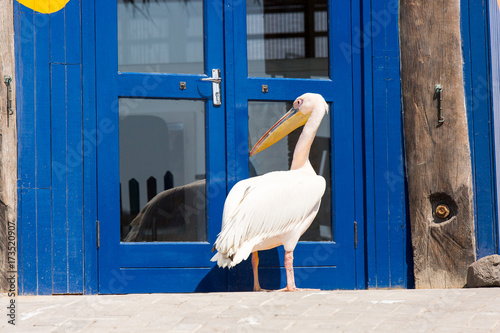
pixel 261 116
pixel 164 36
pixel 287 39
pixel 162 170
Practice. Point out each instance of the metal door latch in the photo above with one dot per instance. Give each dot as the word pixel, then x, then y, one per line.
pixel 439 92
pixel 8 79
pixel 216 80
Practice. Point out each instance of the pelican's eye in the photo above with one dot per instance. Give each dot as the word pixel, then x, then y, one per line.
pixel 298 102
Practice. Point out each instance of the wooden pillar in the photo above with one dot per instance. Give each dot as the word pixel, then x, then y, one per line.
pixel 437 152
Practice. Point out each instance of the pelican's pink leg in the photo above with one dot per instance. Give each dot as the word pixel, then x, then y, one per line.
pixel 290 277
pixel 255 267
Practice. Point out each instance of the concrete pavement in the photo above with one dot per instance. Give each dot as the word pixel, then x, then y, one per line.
pixel 452 310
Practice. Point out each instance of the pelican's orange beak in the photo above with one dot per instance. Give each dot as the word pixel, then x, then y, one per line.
pixel 292 120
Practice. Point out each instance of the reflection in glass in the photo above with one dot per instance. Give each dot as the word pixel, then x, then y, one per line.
pixel 163 36
pixel 162 170
pixel 287 38
pixel 261 116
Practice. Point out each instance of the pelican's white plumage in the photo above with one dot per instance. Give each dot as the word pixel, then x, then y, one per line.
pixel 276 208
pixel 281 220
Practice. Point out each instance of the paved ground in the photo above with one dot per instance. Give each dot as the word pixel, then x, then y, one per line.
pixel 463 310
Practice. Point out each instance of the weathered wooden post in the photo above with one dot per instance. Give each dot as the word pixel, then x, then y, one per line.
pixel 436 142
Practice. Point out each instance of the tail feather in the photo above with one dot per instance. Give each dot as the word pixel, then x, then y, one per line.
pixel 225 260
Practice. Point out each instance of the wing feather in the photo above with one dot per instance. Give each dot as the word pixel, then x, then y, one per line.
pixel 264 207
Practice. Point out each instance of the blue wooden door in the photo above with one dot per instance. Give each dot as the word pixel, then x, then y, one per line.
pixel 169 150
pixel 280 50
pixel 161 150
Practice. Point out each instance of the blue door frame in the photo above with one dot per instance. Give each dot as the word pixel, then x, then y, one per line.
pixel 56 56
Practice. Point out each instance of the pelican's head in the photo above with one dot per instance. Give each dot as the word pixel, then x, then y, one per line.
pixel 299 114
pixel 309 102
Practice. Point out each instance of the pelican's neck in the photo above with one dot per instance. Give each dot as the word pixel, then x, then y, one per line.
pixel 303 147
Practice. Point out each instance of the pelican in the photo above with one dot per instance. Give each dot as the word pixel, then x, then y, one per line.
pixel 276 208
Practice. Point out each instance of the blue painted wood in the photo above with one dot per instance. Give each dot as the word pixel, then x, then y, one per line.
pixel 74 176
pixel 59 148
pixel 28 282
pixel 89 148
pixel 107 175
pixel 478 103
pixel 73 32
pixel 381 191
pixel 494 32
pixel 365 81
pixel 110 86
pixel 42 103
pixel 154 85
pixel 395 163
pixel 58 37
pixel 386 220
pixel 43 235
pixel 67 169
pixel 162 280
pixel 343 196
pixel 359 169
pixel 26 99
pixel 364 49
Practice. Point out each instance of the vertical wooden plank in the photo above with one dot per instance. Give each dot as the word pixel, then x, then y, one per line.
pixel 387 18
pixel 42 101
pixel 74 190
pixel 89 147
pixel 440 198
pixel 168 181
pixel 343 193
pixel 230 93
pixel 27 244
pixel 72 31
pixel 359 177
pixel 59 178
pixel 107 177
pixel 44 246
pixel 134 196
pixel 366 55
pixel 395 167
pixel 378 33
pixel 58 37
pixel 380 142
pixel 151 187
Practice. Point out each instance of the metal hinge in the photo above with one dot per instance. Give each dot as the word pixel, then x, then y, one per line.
pixel 98 233
pixel 355 234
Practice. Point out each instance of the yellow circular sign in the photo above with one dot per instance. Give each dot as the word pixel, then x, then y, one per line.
pixel 45 6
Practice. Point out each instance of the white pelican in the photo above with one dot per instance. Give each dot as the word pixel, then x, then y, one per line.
pixel 276 208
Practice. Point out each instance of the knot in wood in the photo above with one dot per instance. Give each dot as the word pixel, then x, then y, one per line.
pixel 442 211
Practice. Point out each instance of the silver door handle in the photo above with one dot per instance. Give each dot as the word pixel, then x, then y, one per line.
pixel 216 80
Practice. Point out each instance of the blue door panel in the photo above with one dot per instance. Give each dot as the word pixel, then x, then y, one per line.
pixel 160 280
pixel 155 85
